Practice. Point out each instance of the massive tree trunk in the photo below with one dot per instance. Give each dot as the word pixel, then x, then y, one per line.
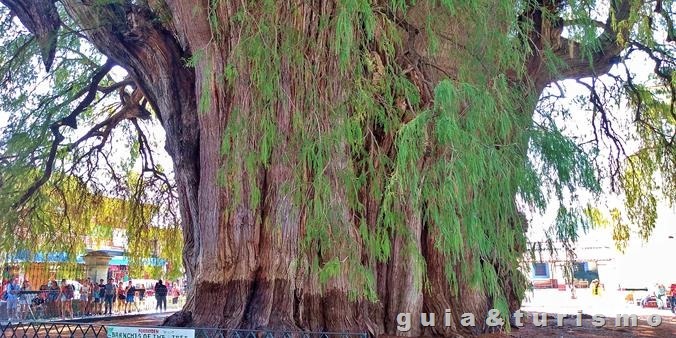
pixel 278 242
pixel 319 189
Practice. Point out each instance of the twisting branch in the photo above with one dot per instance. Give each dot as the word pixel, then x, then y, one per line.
pixel 607 55
pixel 668 18
pixel 607 129
pixel 70 121
pixel 130 109
pixel 663 72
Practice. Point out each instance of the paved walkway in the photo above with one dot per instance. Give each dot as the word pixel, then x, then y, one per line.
pixel 609 304
pixel 102 318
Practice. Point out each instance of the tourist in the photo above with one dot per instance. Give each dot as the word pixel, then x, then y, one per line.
pixel 85 297
pixel 660 294
pixel 672 293
pixel 102 295
pixel 66 296
pixel 131 293
pixel 175 292
pixel 161 296
pixel 53 303
pixel 141 296
pixel 96 295
pixel 109 295
pixel 121 297
pixel 24 298
pixel 11 296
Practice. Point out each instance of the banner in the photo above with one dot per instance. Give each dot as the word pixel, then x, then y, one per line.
pixel 148 332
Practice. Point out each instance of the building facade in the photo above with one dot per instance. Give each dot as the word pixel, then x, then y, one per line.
pixel 557 269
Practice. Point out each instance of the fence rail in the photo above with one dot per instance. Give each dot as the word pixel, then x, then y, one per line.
pixel 79 330
pixel 53 330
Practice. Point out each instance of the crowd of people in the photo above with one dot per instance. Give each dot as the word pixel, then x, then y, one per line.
pixel 663 297
pixel 102 298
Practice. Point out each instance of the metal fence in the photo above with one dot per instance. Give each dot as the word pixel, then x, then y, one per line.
pixel 52 330
pixel 76 330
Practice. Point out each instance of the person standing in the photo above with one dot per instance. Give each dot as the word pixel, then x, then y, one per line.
pixel 102 296
pixel 141 296
pixel 672 293
pixel 11 293
pixel 175 293
pixel 161 296
pixel 660 293
pixel 53 303
pixel 109 294
pixel 121 297
pixel 95 310
pixel 85 297
pixel 131 294
pixel 67 295
pixel 24 298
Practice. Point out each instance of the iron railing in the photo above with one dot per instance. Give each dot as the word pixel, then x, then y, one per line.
pixel 79 330
pixel 53 330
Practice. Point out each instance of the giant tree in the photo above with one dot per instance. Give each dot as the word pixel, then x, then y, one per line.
pixel 339 162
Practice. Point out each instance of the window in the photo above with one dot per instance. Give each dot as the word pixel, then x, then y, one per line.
pixel 540 270
pixel 582 267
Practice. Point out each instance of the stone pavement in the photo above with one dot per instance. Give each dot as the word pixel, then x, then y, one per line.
pixel 114 318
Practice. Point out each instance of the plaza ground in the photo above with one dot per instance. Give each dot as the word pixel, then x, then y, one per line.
pixel 145 319
pixel 609 304
pixel 552 302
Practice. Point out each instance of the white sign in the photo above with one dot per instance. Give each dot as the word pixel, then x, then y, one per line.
pixel 148 332
pixel 120 238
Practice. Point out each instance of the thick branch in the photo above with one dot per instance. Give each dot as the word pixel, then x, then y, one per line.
pixel 70 121
pixel 580 65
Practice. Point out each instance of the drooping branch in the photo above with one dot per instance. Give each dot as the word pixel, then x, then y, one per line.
pixel 606 128
pixel 580 64
pixel 6 66
pixel 133 36
pixel 664 67
pixel 130 109
pixel 668 18
pixel 70 121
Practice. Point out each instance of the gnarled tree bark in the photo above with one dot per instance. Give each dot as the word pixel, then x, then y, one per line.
pixel 246 261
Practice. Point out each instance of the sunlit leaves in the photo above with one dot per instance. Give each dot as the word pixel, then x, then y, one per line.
pixel 90 190
pixel 563 162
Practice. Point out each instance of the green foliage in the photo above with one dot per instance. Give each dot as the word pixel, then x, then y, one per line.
pixel 89 193
pixel 460 162
pixel 441 136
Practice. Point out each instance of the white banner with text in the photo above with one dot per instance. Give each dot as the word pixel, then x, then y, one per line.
pixel 148 332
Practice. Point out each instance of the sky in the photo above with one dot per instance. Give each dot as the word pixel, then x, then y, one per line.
pixel 642 263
